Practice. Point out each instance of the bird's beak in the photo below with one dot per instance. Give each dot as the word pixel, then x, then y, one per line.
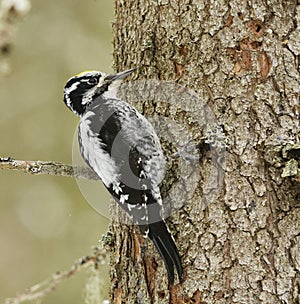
pixel 119 76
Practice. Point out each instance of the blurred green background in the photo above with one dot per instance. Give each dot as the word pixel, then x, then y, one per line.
pixel 45 222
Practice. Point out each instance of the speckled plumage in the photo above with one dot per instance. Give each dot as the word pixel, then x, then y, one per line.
pixel 123 149
pixel 121 146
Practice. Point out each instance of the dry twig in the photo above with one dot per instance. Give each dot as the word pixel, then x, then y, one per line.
pixel 41 289
pixel 51 168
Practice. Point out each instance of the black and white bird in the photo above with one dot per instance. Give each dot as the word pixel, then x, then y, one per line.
pixel 121 146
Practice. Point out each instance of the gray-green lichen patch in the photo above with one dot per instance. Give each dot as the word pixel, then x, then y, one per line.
pixel 291 169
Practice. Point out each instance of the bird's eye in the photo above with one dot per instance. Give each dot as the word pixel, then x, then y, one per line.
pixel 92 81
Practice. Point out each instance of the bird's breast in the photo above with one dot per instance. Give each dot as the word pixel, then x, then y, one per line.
pixel 94 153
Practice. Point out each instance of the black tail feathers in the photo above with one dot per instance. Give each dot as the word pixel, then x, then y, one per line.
pixel 164 243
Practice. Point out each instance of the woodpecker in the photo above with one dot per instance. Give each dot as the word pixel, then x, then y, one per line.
pixel 121 146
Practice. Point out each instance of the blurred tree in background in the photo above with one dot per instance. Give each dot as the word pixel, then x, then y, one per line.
pixel 45 222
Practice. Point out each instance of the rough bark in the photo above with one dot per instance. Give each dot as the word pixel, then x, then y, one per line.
pixel 242 59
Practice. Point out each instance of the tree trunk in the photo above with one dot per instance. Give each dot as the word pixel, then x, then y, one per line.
pixel 241 244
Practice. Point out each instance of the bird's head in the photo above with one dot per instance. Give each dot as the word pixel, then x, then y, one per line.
pixel 83 88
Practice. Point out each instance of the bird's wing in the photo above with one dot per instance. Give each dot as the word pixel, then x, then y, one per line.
pixel 118 159
pixel 125 153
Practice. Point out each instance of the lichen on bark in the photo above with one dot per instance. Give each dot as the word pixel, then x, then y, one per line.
pixel 240 57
